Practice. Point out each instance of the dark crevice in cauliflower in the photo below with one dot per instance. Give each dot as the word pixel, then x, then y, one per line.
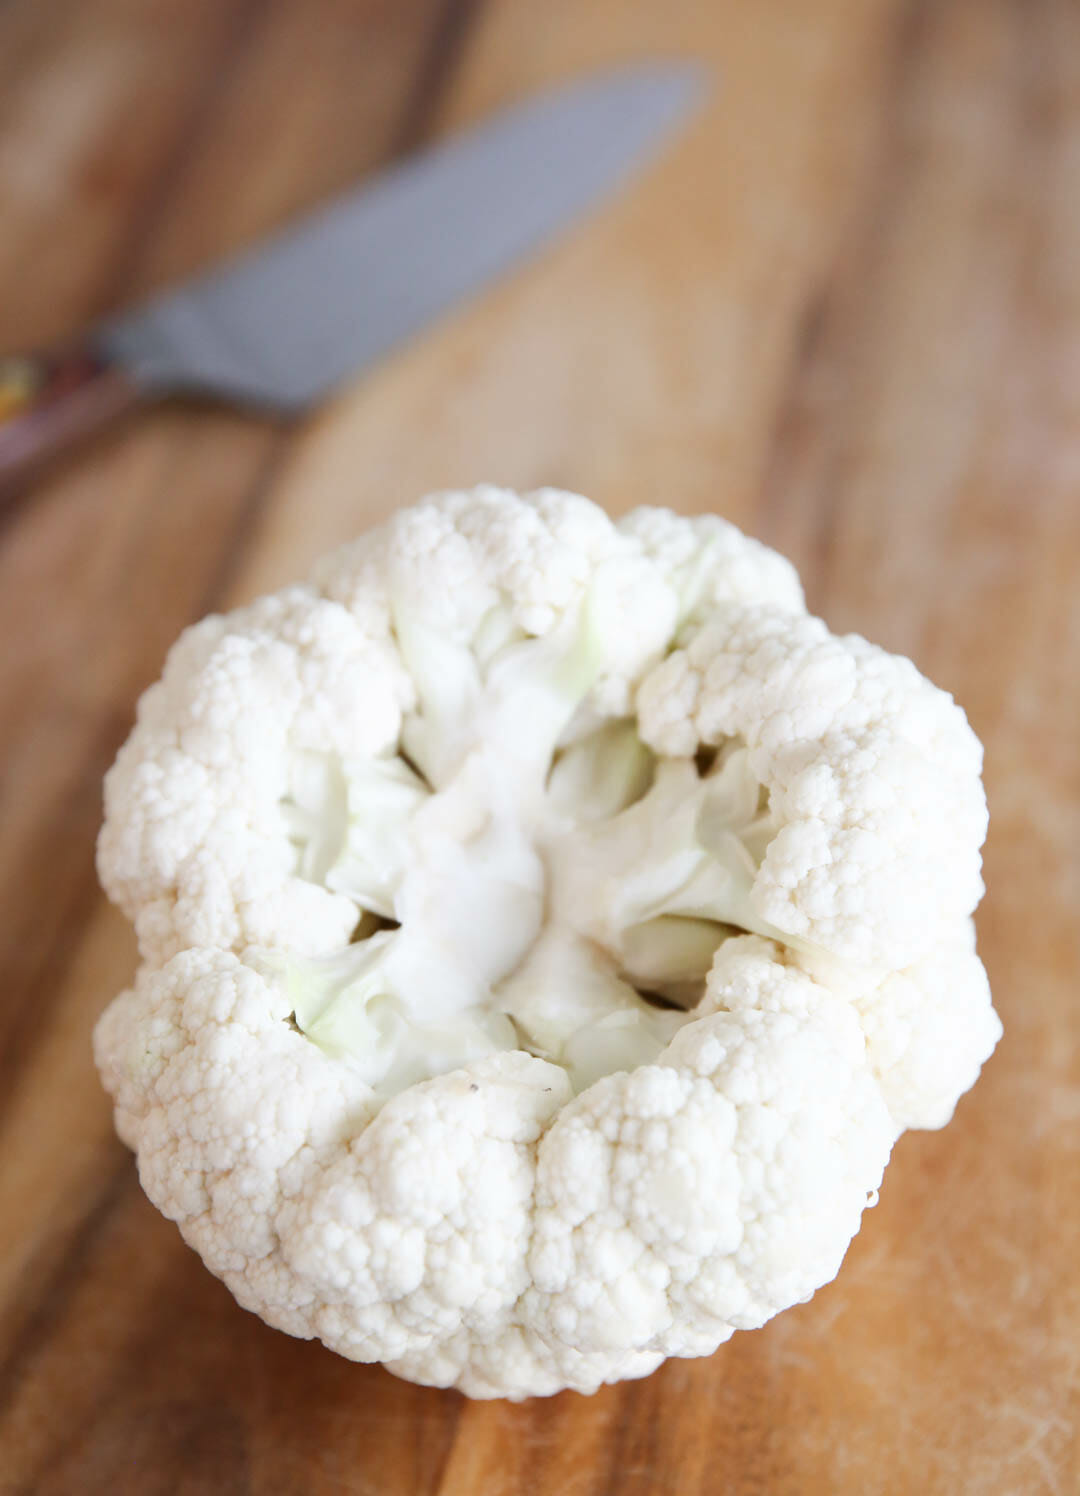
pixel 371 924
pixel 659 1000
pixel 705 758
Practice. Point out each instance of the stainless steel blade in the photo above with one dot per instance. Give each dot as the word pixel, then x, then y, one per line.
pixel 284 323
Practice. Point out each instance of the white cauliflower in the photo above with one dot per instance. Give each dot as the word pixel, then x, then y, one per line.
pixel 547 930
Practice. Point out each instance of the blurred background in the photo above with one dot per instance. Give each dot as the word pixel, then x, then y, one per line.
pixel 843 310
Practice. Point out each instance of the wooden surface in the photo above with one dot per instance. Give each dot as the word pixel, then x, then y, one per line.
pixel 845 312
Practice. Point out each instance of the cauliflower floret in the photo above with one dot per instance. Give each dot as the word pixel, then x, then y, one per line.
pixel 710 562
pixel 195 848
pixel 547 930
pixel 707 1192
pixel 491 562
pixel 422 1227
pixel 929 1031
pixel 872 774
pixel 231 1110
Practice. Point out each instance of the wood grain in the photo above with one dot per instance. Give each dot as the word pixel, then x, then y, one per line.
pixel 845 312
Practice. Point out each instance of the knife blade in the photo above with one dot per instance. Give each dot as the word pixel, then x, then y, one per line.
pixel 284 324
pixel 281 325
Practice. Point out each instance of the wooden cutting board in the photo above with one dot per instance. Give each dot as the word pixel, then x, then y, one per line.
pixel 844 311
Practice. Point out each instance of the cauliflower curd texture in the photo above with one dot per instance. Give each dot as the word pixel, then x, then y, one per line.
pixel 547 930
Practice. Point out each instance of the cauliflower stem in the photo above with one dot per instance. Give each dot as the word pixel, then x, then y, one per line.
pixel 518 870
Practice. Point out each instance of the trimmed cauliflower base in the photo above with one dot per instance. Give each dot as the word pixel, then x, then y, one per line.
pixel 547 930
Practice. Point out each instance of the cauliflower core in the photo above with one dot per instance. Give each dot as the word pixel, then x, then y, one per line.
pixel 547 930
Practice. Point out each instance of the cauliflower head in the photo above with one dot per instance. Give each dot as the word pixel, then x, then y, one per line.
pixel 547 928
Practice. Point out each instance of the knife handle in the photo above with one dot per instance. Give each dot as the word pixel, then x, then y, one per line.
pixel 50 402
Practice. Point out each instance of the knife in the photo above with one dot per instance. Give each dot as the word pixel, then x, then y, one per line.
pixel 281 325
